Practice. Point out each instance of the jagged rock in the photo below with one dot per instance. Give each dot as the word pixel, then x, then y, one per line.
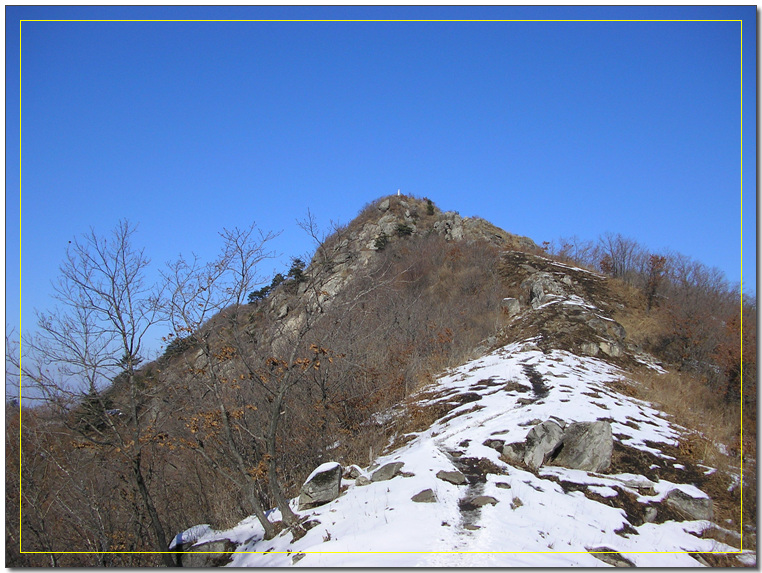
pixel 650 514
pixel 352 472
pixel 425 496
pixel 689 506
pixel 209 554
pixel 361 481
pixel 451 226
pixel 387 471
pixel 283 311
pixel 454 477
pixel 384 206
pixel 586 446
pixel 541 441
pixel 514 452
pixel 589 348
pixel 503 485
pixel 540 287
pixel 323 485
pixel 388 224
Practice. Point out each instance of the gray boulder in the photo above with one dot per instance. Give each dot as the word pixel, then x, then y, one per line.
pixel 323 485
pixel 541 441
pixel 361 481
pixel 586 446
pixel 689 506
pixel 454 477
pixel 387 471
pixel 209 554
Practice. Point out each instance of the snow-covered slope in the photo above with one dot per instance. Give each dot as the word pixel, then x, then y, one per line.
pixel 549 517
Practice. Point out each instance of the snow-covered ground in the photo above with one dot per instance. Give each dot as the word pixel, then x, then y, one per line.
pixel 535 522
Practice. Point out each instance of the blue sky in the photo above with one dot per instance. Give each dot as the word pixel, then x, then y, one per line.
pixel 546 129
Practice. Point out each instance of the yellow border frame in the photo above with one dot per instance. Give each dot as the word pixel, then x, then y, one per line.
pixel 403 552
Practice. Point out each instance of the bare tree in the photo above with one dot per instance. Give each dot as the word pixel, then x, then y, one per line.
pixel 97 335
pixel 217 290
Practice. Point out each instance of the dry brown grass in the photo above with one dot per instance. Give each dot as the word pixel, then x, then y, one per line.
pixel 712 425
pixel 695 406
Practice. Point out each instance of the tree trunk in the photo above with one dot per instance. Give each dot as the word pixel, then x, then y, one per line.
pixel 158 530
pixel 288 516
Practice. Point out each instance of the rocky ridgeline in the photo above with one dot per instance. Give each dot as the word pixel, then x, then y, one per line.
pixel 529 447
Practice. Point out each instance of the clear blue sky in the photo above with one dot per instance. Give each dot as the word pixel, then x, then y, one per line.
pixel 547 129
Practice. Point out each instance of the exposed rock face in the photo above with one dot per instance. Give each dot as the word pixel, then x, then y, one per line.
pixel 569 308
pixel 690 507
pixel 209 554
pixel 323 485
pixel 510 307
pixel 586 446
pixel 387 471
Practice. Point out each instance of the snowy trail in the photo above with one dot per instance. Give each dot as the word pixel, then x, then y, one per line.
pixel 501 396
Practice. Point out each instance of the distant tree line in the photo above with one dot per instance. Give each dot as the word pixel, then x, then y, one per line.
pixel 701 311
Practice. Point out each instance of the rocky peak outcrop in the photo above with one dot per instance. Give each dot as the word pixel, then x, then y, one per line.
pixel 388 220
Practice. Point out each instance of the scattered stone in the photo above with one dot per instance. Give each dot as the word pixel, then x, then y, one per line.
pixel 323 485
pixel 482 500
pixel 611 557
pixel 516 503
pixel 297 557
pixel 454 477
pixel 471 527
pixel 503 485
pixel 361 481
pixel 425 496
pixel 689 506
pixel 387 471
pixel 495 444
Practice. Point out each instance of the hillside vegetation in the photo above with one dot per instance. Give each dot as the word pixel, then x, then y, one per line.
pixel 264 379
